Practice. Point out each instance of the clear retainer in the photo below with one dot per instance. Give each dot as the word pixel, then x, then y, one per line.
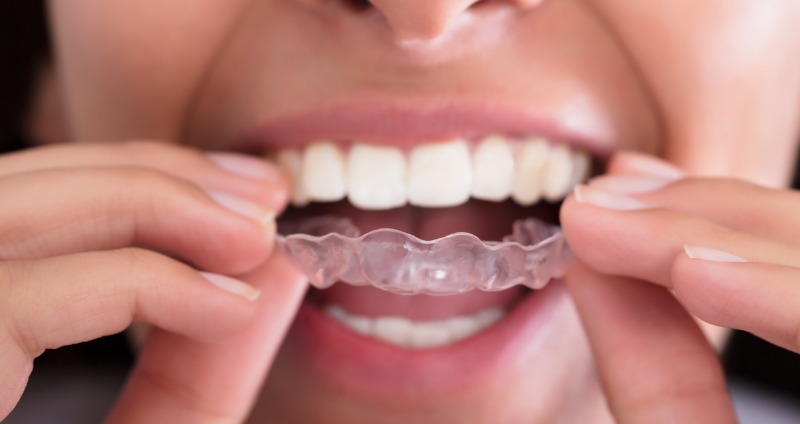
pixel 330 249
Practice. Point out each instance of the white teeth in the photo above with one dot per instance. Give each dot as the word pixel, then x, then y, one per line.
pixel 530 170
pixel 291 161
pixel 440 174
pixel 581 167
pixel 415 334
pixel 558 178
pixel 429 335
pixel 434 175
pixel 394 330
pixel 323 172
pixel 492 170
pixel 376 177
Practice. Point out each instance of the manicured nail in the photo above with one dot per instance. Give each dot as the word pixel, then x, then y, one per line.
pixel 245 166
pixel 650 165
pixel 629 184
pixel 709 254
pixel 606 199
pixel 232 285
pixel 243 207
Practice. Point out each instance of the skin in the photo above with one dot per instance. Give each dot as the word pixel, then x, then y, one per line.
pixel 692 83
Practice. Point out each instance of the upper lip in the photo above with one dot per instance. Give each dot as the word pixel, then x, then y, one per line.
pixel 406 123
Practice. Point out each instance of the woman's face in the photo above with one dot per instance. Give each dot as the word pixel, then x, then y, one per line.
pixel 713 86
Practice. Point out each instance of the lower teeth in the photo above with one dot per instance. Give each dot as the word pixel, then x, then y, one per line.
pixel 410 334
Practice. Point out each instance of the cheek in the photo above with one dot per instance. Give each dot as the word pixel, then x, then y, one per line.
pixel 726 76
pixel 128 69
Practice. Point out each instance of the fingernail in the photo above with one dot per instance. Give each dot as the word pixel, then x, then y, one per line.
pixel 245 166
pixel 242 207
pixel 606 199
pixel 629 184
pixel 709 254
pixel 650 165
pixel 232 285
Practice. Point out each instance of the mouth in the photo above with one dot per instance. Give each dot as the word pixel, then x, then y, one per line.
pixel 374 341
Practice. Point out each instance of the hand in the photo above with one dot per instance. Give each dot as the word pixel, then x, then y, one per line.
pixel 724 250
pixel 95 236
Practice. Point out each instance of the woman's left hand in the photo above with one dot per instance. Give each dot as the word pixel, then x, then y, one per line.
pixel 726 251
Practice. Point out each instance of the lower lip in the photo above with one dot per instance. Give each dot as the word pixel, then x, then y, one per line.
pixel 367 367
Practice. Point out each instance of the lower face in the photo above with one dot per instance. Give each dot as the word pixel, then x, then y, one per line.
pixel 314 83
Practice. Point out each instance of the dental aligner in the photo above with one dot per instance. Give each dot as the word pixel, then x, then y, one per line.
pixel 330 249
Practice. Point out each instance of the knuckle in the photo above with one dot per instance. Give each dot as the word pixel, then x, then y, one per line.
pixel 137 258
pixel 147 149
pixel 140 176
pixel 153 152
pixel 13 278
pixel 130 261
pixel 153 185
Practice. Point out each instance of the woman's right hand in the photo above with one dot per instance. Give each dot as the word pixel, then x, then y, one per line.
pixel 96 236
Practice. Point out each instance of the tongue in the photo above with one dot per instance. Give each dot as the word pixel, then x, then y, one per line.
pixel 489 221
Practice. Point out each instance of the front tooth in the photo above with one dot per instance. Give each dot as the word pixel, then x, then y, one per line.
pixel 394 330
pixel 376 177
pixel 440 174
pixel 427 335
pixel 558 178
pixel 461 327
pixel 360 324
pixel 492 169
pixel 530 169
pixel 323 172
pixel 582 164
pixel 291 162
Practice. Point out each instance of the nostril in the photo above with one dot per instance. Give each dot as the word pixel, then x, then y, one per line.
pixel 524 4
pixel 359 5
pixel 415 21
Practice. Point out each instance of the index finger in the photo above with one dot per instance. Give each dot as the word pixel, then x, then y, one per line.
pixel 732 203
pixel 183 381
pixel 643 243
pixel 222 171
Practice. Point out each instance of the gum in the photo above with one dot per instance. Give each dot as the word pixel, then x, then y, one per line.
pixel 330 249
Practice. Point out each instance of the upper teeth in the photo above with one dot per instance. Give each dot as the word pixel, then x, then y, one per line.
pixel 435 174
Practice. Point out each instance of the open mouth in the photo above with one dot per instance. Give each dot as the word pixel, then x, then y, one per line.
pixel 429 190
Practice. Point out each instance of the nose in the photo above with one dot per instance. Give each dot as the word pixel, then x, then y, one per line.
pixel 427 20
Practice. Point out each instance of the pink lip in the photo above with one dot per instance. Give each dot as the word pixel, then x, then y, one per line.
pixel 380 371
pixel 406 124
